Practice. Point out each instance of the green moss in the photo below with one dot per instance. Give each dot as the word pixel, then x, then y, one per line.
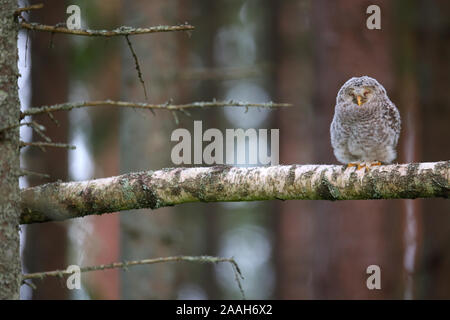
pixel 326 190
pixel 291 175
pixel 127 190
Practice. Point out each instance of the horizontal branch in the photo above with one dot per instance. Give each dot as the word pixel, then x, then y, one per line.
pixel 121 31
pixel 24 172
pixel 28 8
pixel 168 187
pixel 47 144
pixel 165 106
pixel 32 124
pixel 126 264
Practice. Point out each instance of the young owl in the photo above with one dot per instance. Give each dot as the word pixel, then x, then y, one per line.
pixel 366 124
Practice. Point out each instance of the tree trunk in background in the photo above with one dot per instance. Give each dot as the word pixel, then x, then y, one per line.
pixel 351 235
pixel 46 244
pixel 102 246
pixel 10 271
pixel 145 144
pixel 292 61
pixel 408 102
pixel 200 221
pixel 433 51
pixel 211 213
pixel 106 231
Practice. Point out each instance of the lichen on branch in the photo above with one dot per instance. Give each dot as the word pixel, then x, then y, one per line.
pixel 121 31
pixel 139 105
pixel 168 187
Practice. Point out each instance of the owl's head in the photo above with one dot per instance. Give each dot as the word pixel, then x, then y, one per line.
pixel 358 91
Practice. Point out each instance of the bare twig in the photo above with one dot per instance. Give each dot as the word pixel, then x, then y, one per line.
pixel 121 31
pixel 171 107
pixel 38 128
pixel 30 284
pixel 238 277
pixel 50 115
pixel 138 68
pixel 125 265
pixel 29 8
pixel 24 172
pixel 15 125
pixel 32 124
pixel 46 144
pixel 175 117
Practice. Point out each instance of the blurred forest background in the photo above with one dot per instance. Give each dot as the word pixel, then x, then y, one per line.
pixel 295 51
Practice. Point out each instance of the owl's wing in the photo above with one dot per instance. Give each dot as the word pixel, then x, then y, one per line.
pixel 335 133
pixel 393 120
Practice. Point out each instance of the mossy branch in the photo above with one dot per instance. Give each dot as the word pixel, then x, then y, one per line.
pixel 168 187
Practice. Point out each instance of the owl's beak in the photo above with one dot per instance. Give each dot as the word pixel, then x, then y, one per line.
pixel 359 100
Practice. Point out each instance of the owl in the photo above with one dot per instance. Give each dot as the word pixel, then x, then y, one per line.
pixel 366 124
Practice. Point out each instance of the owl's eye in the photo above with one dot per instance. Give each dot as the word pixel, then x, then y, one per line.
pixel 366 92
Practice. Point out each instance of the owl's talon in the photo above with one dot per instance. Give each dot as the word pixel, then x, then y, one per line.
pixel 376 163
pixel 350 165
pixel 357 165
pixel 360 166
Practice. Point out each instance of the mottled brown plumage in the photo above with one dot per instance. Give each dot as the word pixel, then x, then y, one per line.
pixel 366 124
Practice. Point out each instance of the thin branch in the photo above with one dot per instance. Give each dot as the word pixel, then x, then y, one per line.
pixel 32 124
pixel 50 115
pixel 138 68
pixel 29 8
pixel 15 125
pixel 31 285
pixel 168 187
pixel 38 128
pixel 47 144
pixel 121 31
pixel 172 107
pixel 126 264
pixel 24 172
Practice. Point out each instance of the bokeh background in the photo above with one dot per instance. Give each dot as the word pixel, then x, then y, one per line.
pixel 295 51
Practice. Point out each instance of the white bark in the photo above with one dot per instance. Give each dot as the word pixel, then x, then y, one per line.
pixel 167 187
